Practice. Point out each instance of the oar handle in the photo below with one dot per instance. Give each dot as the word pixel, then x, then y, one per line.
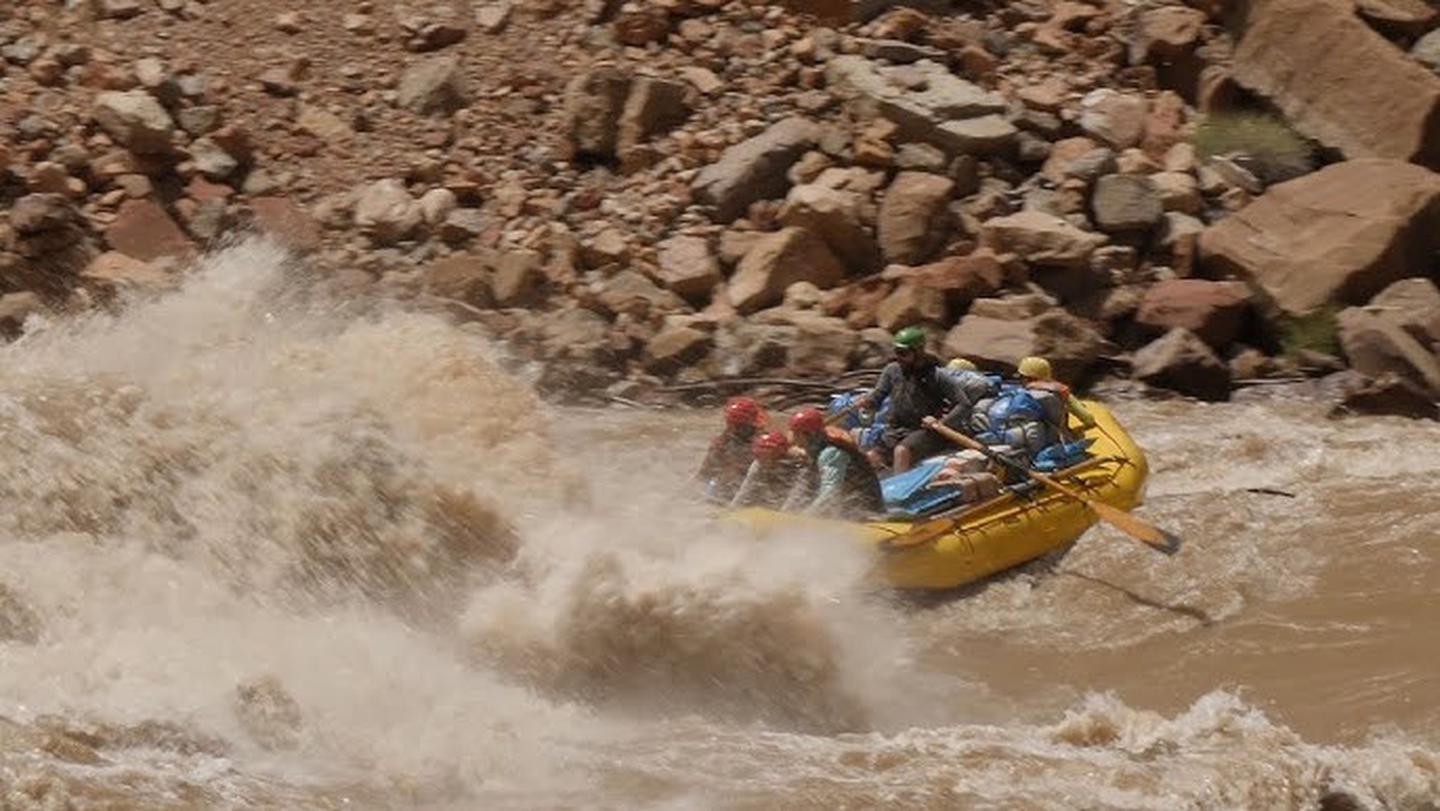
pixel 955 436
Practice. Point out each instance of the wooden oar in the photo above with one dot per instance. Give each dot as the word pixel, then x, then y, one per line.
pixel 1127 523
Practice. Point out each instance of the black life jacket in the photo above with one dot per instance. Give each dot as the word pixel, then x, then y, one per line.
pixel 860 493
pixel 917 395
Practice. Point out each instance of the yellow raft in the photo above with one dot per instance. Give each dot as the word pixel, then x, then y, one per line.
pixel 979 540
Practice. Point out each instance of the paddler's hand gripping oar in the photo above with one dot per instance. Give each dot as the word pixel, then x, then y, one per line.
pixel 1127 523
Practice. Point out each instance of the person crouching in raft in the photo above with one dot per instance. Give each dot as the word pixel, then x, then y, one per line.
pixel 841 478
pixel 730 453
pixel 774 477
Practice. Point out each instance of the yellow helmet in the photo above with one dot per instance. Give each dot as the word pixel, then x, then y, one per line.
pixel 1035 368
pixel 961 363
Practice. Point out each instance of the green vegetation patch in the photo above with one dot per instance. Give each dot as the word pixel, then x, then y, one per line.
pixel 1316 331
pixel 1278 152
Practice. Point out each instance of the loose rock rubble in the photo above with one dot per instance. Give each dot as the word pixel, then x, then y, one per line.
pixel 652 192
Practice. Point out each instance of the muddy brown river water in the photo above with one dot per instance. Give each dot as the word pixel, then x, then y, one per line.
pixel 236 482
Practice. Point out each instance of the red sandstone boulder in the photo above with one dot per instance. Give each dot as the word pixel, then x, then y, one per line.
pixel 112 272
pixel 143 230
pixel 688 268
pixel 1375 345
pixel 1071 344
pixel 1399 18
pixel 962 279
pixel 675 347
pixel 912 216
pixel 1214 311
pixel 1414 306
pixel 754 169
pixel 287 222
pixel 777 261
pixel 834 215
pixel 1041 239
pixel 1339 235
pixel 910 303
pixel 1340 82
pixel 1181 362
pixel 462 277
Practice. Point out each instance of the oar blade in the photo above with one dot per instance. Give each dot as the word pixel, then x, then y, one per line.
pixel 1136 528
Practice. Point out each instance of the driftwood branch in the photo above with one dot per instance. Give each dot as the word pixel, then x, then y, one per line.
pixel 779 392
pixel 742 383
pixel 1268 381
pixel 626 401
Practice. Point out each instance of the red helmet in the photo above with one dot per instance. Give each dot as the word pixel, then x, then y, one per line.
pixel 770 446
pixel 807 421
pixel 742 411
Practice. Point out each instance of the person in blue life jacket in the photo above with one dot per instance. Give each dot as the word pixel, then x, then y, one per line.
pixel 840 481
pixel 1015 418
pixel 1036 376
pixel 730 453
pixel 1028 421
pixel 915 386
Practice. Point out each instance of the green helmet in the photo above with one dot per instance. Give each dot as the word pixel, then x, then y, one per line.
pixel 910 338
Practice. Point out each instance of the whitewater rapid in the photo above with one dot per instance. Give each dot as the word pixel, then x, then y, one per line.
pixel 473 599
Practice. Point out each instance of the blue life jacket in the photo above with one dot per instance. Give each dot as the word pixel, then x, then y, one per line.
pixel 1016 418
pixel 1015 405
pixel 869 434
pixel 840 402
